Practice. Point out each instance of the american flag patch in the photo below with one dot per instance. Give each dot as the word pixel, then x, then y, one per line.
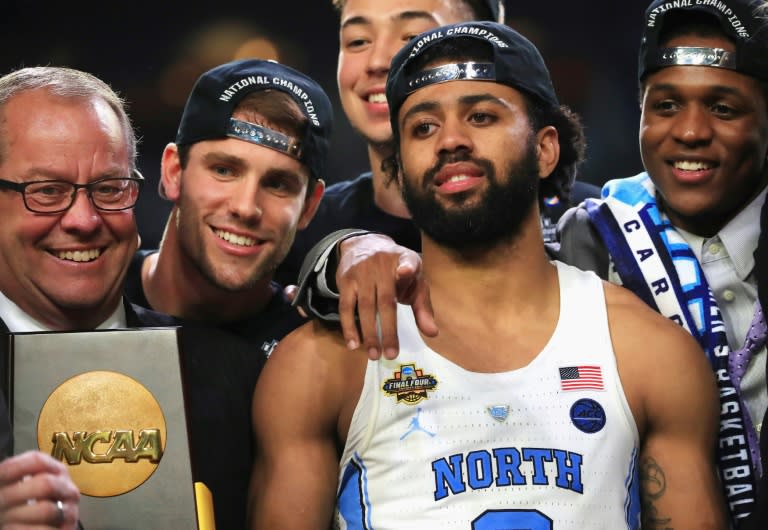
pixel 581 378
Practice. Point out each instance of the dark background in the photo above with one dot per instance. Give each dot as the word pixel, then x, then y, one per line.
pixel 151 53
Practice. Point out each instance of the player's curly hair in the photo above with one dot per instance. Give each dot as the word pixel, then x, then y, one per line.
pixel 573 146
pixel 65 83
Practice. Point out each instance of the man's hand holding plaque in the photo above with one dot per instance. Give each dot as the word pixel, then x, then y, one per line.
pixel 35 491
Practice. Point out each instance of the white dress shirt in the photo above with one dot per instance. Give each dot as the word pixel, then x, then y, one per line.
pixel 728 262
pixel 18 321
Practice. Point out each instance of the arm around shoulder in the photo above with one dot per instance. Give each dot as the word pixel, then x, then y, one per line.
pixel 316 293
pixel 672 393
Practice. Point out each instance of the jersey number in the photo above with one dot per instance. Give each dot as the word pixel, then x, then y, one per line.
pixel 512 520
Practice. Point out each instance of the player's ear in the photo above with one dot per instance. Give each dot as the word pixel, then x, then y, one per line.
pixel 311 203
pixel 170 173
pixel 547 150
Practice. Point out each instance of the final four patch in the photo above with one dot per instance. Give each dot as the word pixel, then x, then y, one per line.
pixel 409 384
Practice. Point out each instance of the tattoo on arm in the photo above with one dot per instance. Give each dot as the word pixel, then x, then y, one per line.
pixel 653 485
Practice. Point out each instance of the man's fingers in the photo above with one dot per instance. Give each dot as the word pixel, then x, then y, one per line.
pixel 347 317
pixel 36 490
pixel 407 281
pixel 413 290
pixel 29 463
pixel 372 275
pixel 368 321
pixel 407 273
pixel 290 292
pixel 386 308
pixel 44 514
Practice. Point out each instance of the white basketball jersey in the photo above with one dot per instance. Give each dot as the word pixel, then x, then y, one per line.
pixel 552 445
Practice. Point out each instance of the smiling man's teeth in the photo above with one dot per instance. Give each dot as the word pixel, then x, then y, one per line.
pixel 379 97
pixel 235 239
pixel 689 165
pixel 79 255
pixel 458 178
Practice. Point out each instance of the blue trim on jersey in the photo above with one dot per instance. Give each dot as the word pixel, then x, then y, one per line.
pixel 353 502
pixel 632 502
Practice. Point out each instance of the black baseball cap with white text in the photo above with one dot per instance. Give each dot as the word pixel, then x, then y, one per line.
pixel 208 111
pixel 515 62
pixel 740 22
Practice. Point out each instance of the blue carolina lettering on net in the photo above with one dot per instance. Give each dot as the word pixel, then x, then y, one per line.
pixel 644 253
pixel 722 350
pixel 737 491
pixel 733 454
pixel 481 469
pixel 718 324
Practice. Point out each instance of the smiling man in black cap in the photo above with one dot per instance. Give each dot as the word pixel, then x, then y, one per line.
pixel 682 234
pixel 547 390
pixel 244 174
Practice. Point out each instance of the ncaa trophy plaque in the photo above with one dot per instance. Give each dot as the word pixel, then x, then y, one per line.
pixel 109 404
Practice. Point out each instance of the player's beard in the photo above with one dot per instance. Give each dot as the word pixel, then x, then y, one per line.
pixel 497 216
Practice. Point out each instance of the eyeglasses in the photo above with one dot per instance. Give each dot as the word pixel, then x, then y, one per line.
pixel 56 196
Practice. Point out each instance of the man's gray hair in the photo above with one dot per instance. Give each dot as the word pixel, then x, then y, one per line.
pixel 66 83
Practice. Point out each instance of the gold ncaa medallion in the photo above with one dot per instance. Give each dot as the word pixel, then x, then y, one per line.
pixel 107 428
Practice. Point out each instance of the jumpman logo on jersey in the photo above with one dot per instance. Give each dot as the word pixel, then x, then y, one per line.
pixel 416 426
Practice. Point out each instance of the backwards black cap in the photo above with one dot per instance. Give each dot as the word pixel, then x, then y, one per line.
pixel 739 22
pixel 208 112
pixel 515 62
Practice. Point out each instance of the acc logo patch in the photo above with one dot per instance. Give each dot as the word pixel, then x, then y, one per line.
pixel 409 385
pixel 588 415
pixel 107 427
